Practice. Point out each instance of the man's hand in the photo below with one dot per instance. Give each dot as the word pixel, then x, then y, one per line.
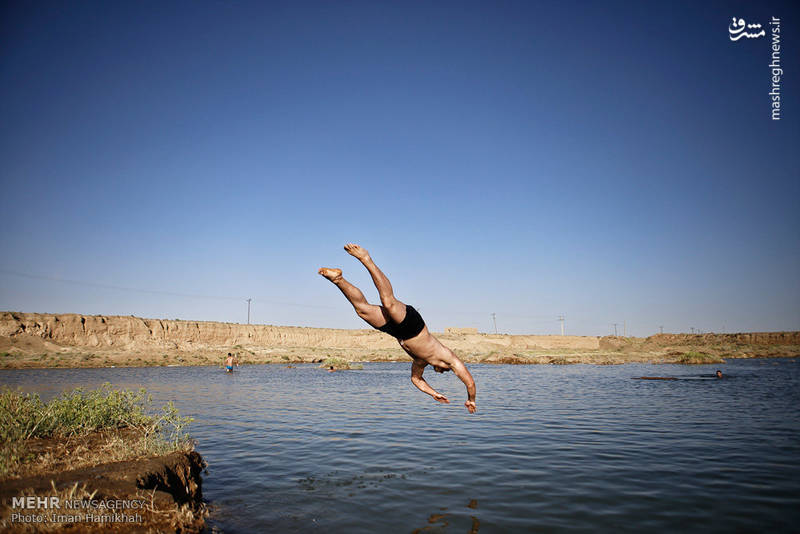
pixel 471 406
pixel 441 398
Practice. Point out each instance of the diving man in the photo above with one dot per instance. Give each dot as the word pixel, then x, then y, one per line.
pixel 403 322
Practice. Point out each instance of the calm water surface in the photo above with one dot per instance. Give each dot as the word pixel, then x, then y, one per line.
pixel 552 448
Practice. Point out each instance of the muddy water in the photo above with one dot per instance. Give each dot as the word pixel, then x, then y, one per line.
pixel 552 448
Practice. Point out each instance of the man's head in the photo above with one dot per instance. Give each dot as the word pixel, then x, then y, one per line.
pixel 719 373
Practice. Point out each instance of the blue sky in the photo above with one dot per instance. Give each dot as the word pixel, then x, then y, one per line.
pixel 613 162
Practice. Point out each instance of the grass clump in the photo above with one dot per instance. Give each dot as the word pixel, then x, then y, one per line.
pixel 693 357
pixel 79 412
pixel 340 364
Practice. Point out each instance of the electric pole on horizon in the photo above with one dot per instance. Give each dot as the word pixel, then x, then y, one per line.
pixel 661 328
pixel 561 318
pixel 494 320
pixel 615 328
pixel 248 310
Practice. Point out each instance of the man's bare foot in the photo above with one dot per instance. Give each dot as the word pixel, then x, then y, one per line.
pixel 357 251
pixel 334 275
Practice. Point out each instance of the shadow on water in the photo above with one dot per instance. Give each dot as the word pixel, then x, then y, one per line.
pixel 440 521
pixel 685 377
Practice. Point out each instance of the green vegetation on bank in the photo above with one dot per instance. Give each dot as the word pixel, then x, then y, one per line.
pixel 693 357
pixel 79 412
pixel 340 364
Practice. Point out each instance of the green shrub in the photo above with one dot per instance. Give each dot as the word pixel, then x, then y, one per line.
pixel 79 412
pixel 340 363
pixel 693 357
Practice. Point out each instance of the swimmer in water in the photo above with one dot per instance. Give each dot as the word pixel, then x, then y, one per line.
pixel 404 323
pixel 719 373
pixel 229 362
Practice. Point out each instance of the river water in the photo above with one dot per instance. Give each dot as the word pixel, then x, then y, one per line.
pixel 571 448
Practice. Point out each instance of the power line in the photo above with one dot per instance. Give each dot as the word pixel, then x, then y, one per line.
pixel 112 286
pixel 543 318
pixel 531 319
pixel 155 291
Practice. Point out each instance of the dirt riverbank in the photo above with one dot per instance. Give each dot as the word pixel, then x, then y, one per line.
pixel 30 340
pixel 77 488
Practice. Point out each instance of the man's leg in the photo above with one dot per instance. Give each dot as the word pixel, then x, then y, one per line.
pixel 396 309
pixel 372 314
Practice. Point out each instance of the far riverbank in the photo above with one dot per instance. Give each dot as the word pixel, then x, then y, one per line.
pixel 71 340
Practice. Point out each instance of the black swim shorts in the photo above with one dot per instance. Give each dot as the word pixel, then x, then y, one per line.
pixel 410 327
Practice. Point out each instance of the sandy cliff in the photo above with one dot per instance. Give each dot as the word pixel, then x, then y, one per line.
pixel 67 340
pixel 134 333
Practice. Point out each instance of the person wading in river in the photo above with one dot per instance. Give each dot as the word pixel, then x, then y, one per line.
pixel 403 322
pixel 229 361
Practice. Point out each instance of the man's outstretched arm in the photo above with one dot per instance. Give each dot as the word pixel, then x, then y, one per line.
pixel 422 385
pixel 464 375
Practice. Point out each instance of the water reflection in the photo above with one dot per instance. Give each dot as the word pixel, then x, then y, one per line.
pixel 440 520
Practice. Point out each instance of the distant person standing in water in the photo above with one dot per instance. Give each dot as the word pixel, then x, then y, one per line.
pixel 403 322
pixel 229 362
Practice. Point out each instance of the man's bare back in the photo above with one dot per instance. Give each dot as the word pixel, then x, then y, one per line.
pixel 229 361
pixel 405 324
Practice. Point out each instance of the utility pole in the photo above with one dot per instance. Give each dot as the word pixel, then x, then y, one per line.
pixel 494 320
pixel 248 310
pixel 561 318
pixel 615 329
pixel 692 329
pixel 661 328
pixel 625 328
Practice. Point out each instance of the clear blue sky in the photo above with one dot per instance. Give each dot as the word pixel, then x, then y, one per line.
pixel 613 162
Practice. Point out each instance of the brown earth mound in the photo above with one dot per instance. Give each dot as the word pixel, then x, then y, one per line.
pixel 163 494
pixel 747 338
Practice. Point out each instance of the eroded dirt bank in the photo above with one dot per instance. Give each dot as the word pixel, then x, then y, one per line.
pixel 72 340
pixel 156 494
